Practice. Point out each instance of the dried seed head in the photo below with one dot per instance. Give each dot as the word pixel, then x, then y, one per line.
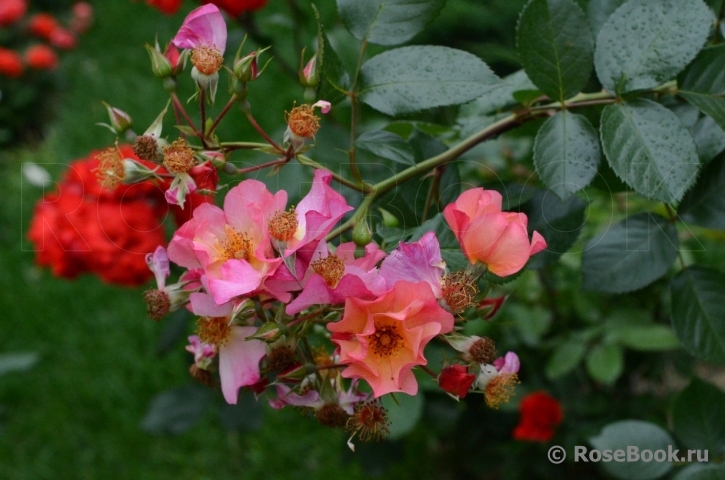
pixel 208 60
pixel 281 358
pixel 157 303
pixel 483 351
pixel 178 157
pixel 283 225
pixel 302 121
pixel 332 416
pixel 110 172
pixel 369 421
pixel 330 268
pixel 146 148
pixel 459 291
pixel 202 376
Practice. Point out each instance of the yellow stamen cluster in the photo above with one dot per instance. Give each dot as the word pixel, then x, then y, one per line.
pixel 208 60
pixel 385 341
pixel 213 330
pixel 146 148
pixel 332 416
pixel 501 389
pixel 369 421
pixel 110 172
pixel 157 303
pixel 283 225
pixel 179 157
pixel 483 351
pixel 330 268
pixel 302 121
pixel 459 291
pixel 237 246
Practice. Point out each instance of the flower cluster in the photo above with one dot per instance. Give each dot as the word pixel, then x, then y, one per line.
pixel 93 223
pixel 47 32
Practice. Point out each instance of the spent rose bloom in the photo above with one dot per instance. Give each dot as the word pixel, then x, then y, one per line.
pixel 486 234
pixel 383 339
pixel 231 245
pixel 239 356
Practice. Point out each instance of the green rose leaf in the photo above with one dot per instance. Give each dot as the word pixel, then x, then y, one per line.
pixel 703 83
pixel 698 417
pixel 698 312
pixel 334 80
pixel 17 362
pixel 566 153
pixel 704 204
pixel 649 149
pixel 559 222
pixel 645 43
pixel 702 471
pixel 605 363
pixel 630 255
pixel 403 415
pixel 636 433
pixel 565 358
pixel 598 11
pixel 387 145
pixel 410 79
pixel 556 46
pixel 709 138
pixel 387 22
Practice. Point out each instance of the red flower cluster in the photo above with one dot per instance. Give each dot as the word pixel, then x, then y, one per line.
pixel 82 227
pixel 45 27
pixel 540 415
pixel 232 7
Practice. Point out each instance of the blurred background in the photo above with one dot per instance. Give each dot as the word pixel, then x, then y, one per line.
pixel 91 388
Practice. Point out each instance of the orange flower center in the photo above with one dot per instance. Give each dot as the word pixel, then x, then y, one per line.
pixel 110 172
pixel 501 389
pixel 237 246
pixel 330 268
pixel 283 225
pixel 208 60
pixel 385 341
pixel 213 330
pixel 302 121
pixel 178 157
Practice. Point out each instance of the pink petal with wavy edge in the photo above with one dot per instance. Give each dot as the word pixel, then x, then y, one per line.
pixel 203 26
pixel 158 263
pixel 239 362
pixel 316 292
pixel 508 364
pixel 415 262
pixel 538 243
pixel 203 304
pixel 238 277
pixel 249 205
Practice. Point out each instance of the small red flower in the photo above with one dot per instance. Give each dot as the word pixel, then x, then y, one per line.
pixel 540 415
pixel 169 7
pixel 456 380
pixel 42 25
pixel 11 65
pixel 41 57
pixel 11 11
pixel 62 38
pixel 237 7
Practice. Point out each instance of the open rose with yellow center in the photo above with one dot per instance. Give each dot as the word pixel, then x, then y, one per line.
pixel 383 339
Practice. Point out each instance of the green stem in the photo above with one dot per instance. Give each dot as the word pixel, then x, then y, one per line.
pixel 261 131
pixel 673 219
pixel 182 110
pixel 240 145
pixel 305 160
pixel 224 111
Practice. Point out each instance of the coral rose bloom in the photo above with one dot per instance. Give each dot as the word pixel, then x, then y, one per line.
pixel 383 339
pixel 486 234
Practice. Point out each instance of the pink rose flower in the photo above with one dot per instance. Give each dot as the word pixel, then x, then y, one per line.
pixel 486 234
pixel 414 262
pixel 205 27
pixel 383 339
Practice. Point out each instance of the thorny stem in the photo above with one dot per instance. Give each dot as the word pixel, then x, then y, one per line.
pixel 178 106
pixel 434 185
pixel 254 168
pixel 428 371
pixel 364 188
pixel 202 111
pixel 496 128
pixel 303 318
pixel 178 118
